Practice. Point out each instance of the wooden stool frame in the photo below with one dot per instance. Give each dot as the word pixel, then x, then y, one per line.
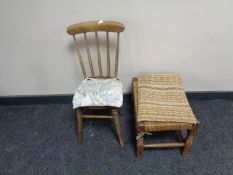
pixel 186 142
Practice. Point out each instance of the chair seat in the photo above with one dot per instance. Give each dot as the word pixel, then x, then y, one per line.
pixel 99 92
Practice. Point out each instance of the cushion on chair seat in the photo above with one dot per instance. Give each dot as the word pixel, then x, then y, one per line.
pixel 99 92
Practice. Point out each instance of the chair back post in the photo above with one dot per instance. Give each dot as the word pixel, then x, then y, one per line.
pixel 97 26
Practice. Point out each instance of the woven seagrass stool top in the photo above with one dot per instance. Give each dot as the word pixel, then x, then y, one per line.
pixel 161 98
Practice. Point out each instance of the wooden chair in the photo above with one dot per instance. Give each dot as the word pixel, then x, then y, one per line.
pixel 95 28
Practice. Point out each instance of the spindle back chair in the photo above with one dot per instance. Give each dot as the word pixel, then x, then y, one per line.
pixel 94 28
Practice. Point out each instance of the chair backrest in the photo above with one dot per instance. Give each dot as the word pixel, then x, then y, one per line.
pixel 95 27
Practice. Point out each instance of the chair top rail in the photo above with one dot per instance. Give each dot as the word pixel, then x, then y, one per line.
pixel 93 26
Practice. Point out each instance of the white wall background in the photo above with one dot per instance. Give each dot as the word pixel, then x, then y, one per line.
pixel 191 37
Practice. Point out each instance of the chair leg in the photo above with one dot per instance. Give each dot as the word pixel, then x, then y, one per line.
pixel 79 126
pixel 140 144
pixel 118 126
pixel 189 140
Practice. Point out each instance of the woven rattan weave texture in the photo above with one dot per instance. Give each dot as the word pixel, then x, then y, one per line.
pixel 161 98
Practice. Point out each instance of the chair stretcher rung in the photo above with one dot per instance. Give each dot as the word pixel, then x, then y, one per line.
pixel 97 116
pixel 164 145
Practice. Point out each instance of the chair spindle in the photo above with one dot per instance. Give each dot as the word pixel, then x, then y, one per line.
pixel 108 55
pixel 117 55
pixel 89 55
pixel 98 55
pixel 80 57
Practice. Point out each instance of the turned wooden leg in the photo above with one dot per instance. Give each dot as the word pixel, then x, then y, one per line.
pixel 140 144
pixel 189 140
pixel 79 126
pixel 118 126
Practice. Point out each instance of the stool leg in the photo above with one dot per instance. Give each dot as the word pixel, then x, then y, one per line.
pixel 140 144
pixel 189 140
pixel 118 126
pixel 79 126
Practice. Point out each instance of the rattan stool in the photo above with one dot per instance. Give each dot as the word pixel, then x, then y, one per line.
pixel 160 104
